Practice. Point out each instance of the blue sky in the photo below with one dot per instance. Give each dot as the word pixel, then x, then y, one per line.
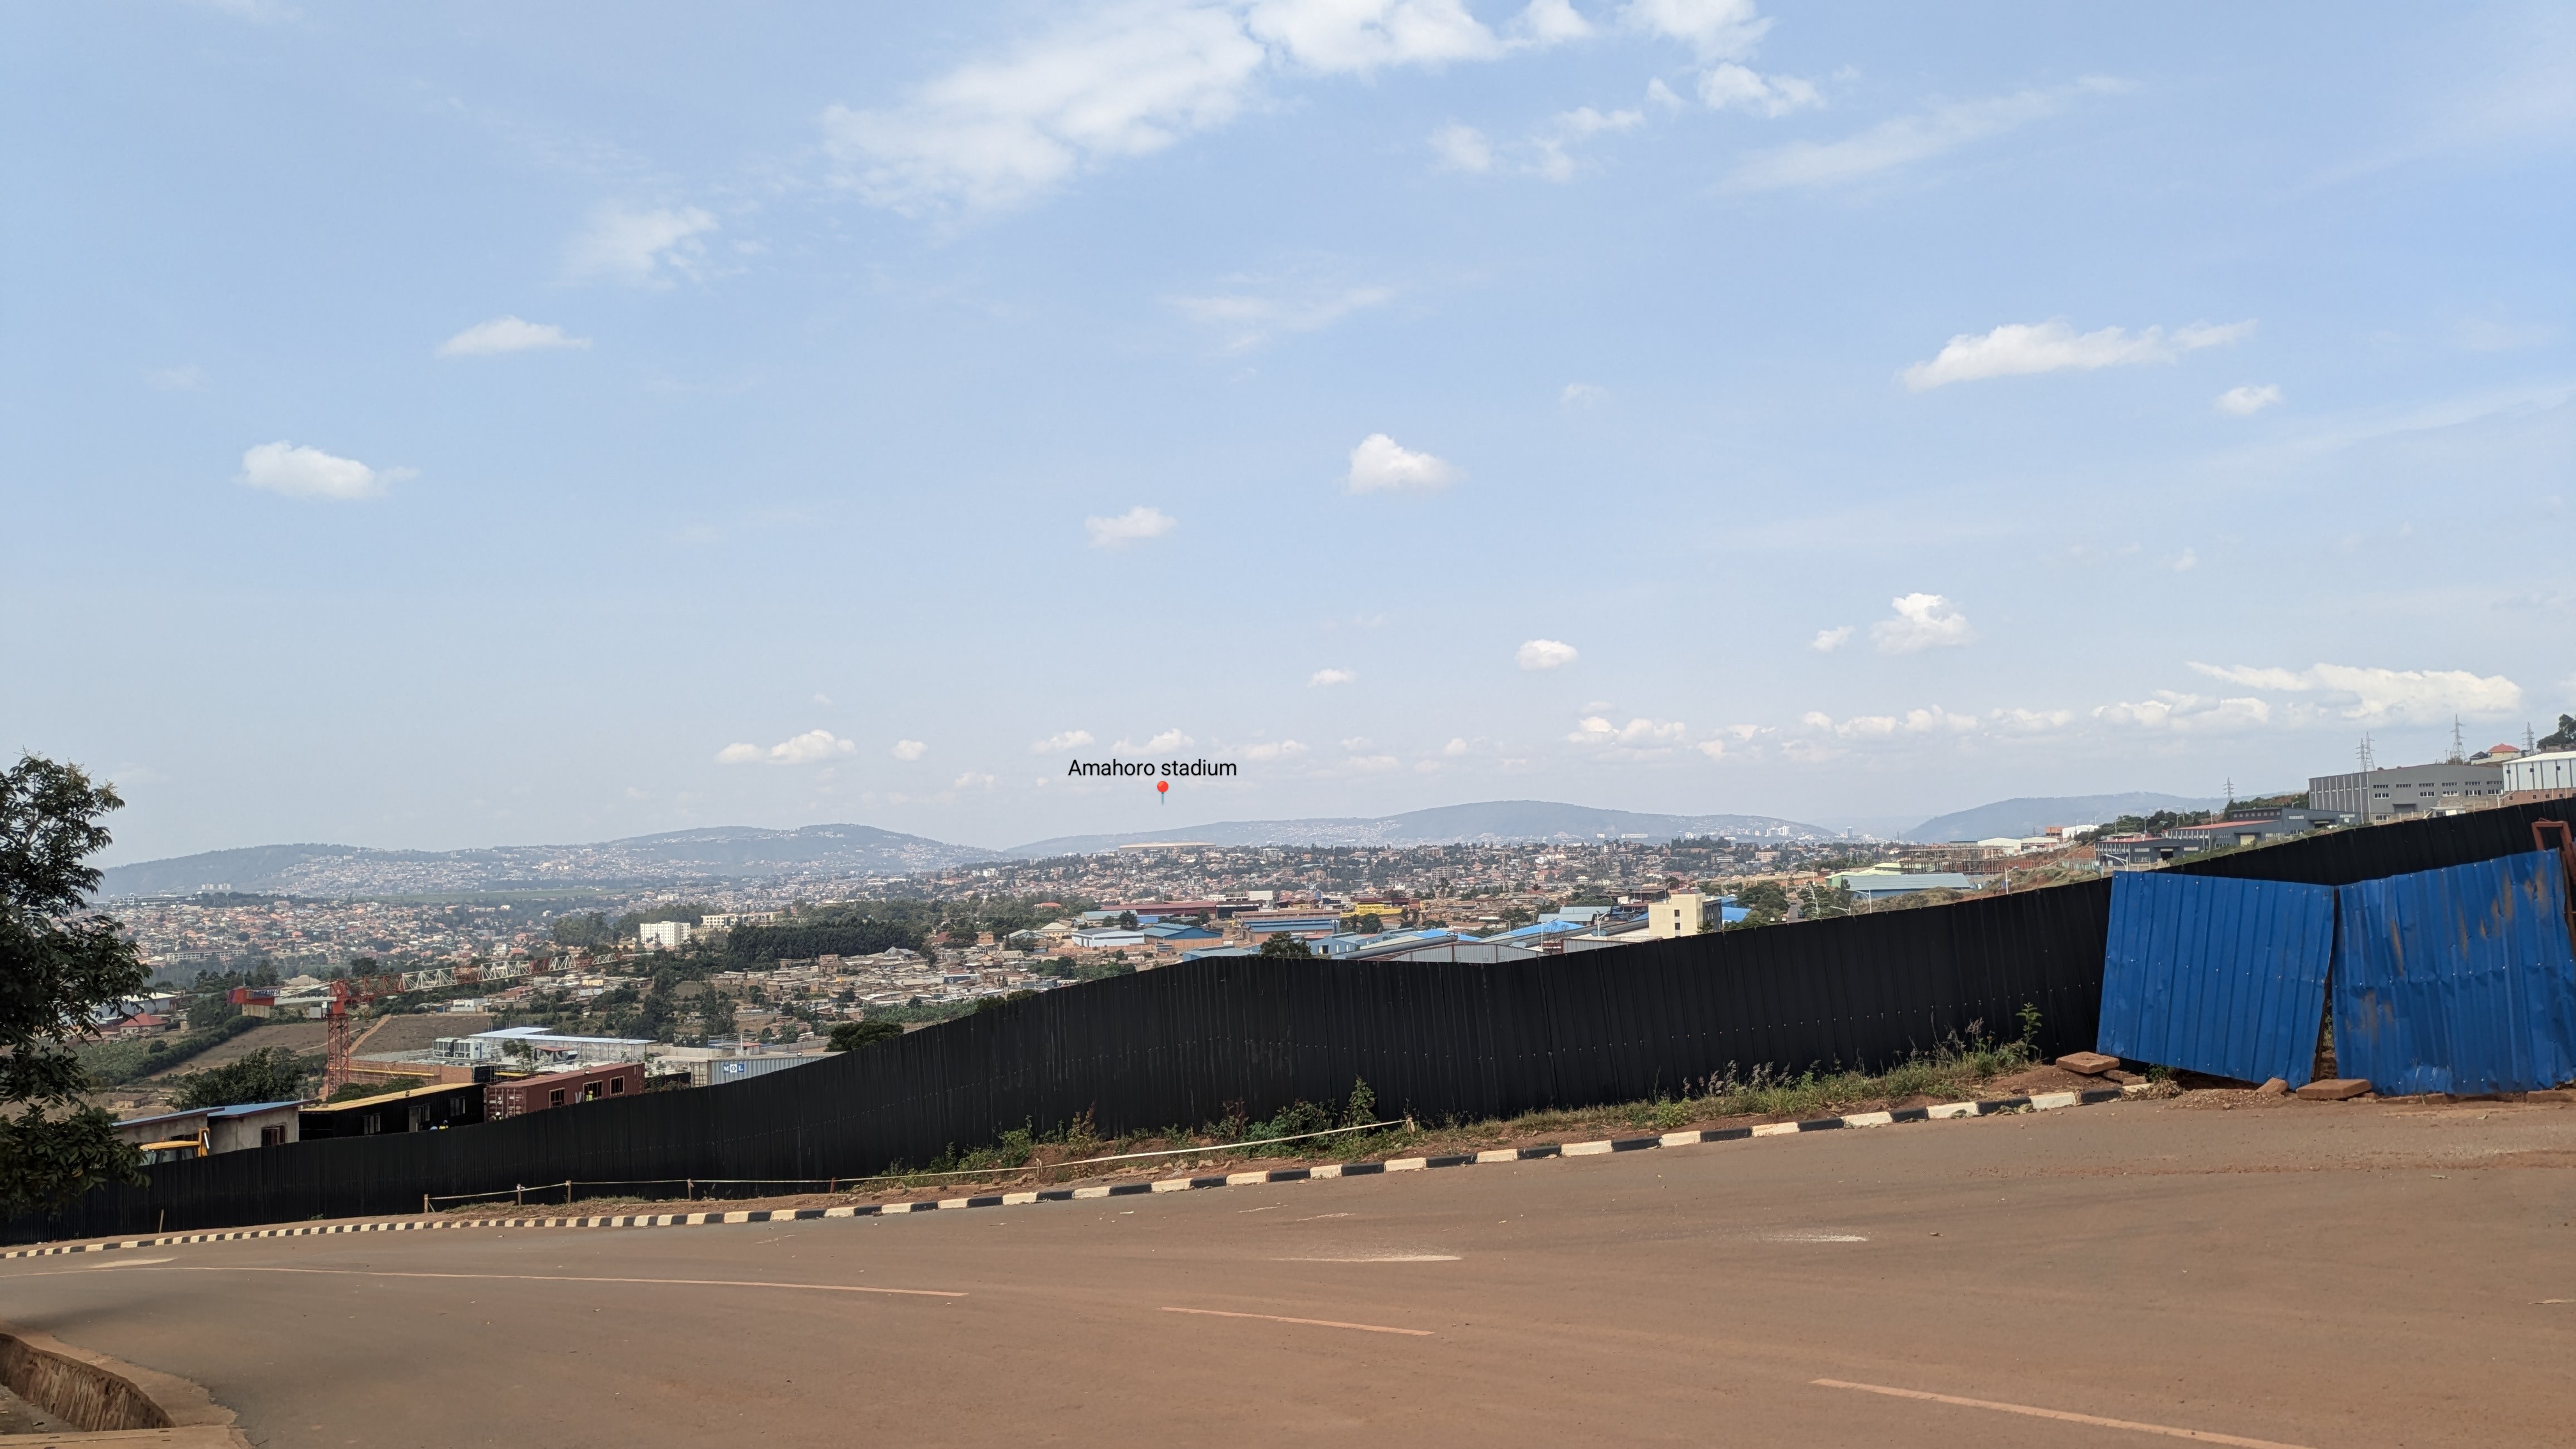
pixel 457 424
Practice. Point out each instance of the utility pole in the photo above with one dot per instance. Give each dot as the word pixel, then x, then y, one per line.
pixel 2459 747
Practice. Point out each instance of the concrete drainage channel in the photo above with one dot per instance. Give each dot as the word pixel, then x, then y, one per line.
pixel 102 1400
pixel 2042 1102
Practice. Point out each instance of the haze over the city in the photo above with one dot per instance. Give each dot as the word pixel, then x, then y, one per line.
pixel 470 424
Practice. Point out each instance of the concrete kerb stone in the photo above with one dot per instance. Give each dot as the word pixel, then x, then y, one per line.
pixel 110 1400
pixel 1946 1111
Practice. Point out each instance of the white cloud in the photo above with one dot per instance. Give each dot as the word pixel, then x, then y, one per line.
pixel 2245 402
pixel 2031 721
pixel 2189 560
pixel 1285 749
pixel 1829 640
pixel 1548 22
pixel 811 747
pixel 908 749
pixel 1136 523
pixel 282 467
pixel 1463 148
pixel 1900 141
pixel 1930 720
pixel 1717 29
pixel 1923 621
pixel 1356 743
pixel 2026 347
pixel 1714 749
pixel 1728 86
pixel 1581 393
pixel 1331 676
pixel 1058 744
pixel 640 248
pixel 1372 764
pixel 186 378
pixel 972 781
pixel 1552 160
pixel 507 334
pixel 1251 318
pixel 2171 710
pixel 1379 463
pixel 1545 654
pixel 1126 80
pixel 1635 734
pixel 1454 748
pixel 1168 740
pixel 1359 36
pixel 2377 696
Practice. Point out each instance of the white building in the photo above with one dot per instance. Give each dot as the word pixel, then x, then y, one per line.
pixel 666 935
pixel 2547 770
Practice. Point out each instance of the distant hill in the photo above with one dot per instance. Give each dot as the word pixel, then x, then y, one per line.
pixel 2031 815
pixel 1493 822
pixel 678 855
pixel 736 851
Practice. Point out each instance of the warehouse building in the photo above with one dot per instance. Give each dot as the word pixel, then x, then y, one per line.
pixel 2377 795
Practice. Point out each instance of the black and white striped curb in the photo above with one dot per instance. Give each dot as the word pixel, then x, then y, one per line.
pixel 2041 1102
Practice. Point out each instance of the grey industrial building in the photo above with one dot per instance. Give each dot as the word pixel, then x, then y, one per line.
pixel 2377 795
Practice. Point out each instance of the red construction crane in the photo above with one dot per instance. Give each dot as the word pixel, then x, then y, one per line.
pixel 348 991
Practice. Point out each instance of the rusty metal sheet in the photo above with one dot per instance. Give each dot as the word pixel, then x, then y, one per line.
pixel 2459 980
pixel 2220 976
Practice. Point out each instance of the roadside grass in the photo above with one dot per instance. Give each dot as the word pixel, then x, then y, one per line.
pixel 1025 1157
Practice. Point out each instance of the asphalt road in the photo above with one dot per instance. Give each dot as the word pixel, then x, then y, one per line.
pixel 2356 1275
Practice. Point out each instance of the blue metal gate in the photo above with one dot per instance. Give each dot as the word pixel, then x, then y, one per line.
pixel 2458 980
pixel 2220 976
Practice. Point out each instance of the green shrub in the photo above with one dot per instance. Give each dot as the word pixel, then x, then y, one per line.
pixel 849 1036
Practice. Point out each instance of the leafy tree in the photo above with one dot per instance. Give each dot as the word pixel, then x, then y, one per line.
pixel 587 928
pixel 849 1036
pixel 1515 917
pixel 56 966
pixel 1285 947
pixel 1824 902
pixel 2562 738
pixel 1368 924
pixel 268 1074
pixel 746 944
pixel 211 1009
pixel 1127 920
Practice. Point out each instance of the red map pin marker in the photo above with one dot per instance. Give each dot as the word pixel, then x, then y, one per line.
pixel 1162 787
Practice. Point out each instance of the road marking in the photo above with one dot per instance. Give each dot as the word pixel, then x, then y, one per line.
pixel 126 1263
pixel 1813 1238
pixel 1311 1322
pixel 571 1278
pixel 2205 1436
pixel 1382 1258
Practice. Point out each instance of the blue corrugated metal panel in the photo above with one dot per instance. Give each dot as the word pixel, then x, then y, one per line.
pixel 2458 980
pixel 2226 977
